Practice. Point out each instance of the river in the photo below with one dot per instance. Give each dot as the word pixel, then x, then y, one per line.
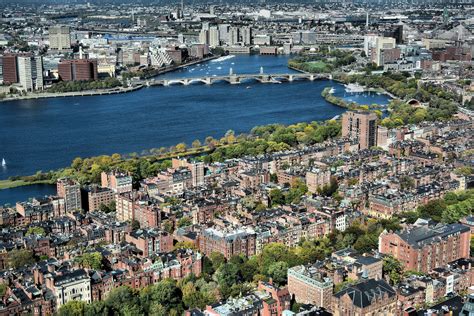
pixel 46 134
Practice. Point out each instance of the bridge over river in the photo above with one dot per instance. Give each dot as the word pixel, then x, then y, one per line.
pixel 236 79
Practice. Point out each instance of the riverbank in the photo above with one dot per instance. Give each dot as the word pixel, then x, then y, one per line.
pixel 118 90
pixel 10 184
pixel 327 94
pixel 86 93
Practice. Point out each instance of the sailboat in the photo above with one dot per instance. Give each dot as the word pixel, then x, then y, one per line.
pixel 4 163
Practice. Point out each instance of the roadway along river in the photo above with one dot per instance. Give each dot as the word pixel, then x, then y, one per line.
pixel 46 134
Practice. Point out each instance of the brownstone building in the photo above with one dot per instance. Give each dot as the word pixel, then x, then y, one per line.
pixel 424 248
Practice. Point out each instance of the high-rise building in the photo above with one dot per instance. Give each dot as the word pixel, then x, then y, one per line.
pixel 214 39
pixel 10 69
pixel 246 33
pixel 78 70
pixel 70 191
pixel 381 43
pixel 233 35
pixel 30 72
pixel 59 37
pixel 224 32
pixel 360 126
pixel 204 37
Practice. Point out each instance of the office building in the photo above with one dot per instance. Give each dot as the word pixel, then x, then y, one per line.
pixel 78 70
pixel 70 191
pixel 233 36
pixel 10 69
pixel 59 37
pixel 381 44
pixel 214 39
pixel 204 37
pixel 423 248
pixel 30 72
pixel 360 126
pixel 246 34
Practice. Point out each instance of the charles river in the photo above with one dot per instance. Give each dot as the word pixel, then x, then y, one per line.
pixel 46 134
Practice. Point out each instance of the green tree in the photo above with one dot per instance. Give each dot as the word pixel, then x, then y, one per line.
pixel 278 272
pixel 276 197
pixel 196 143
pixel 20 257
pixel 90 260
pixel 35 230
pixel 72 308
pixel 181 147
pixel 393 269
pixel 217 259
pixel 185 221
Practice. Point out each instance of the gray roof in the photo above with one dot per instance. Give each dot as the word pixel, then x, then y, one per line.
pixel 420 236
pixel 362 294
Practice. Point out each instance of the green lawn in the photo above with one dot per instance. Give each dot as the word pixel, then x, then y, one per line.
pixel 8 184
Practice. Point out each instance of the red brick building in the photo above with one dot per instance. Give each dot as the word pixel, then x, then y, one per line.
pixel 228 243
pixel 424 248
pixel 78 70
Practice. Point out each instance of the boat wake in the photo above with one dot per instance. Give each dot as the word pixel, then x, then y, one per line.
pixel 223 58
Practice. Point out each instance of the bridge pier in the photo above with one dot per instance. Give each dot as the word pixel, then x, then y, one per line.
pixel 311 77
pixel 234 79
pixel 290 78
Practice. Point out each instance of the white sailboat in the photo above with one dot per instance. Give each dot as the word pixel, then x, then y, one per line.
pixel 4 163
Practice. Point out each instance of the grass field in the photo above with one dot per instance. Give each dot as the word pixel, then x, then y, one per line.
pixel 8 184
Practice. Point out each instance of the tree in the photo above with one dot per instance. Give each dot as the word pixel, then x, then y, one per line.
pixel 72 308
pixel 392 269
pixel 3 289
pixel 90 260
pixel 20 257
pixel 278 272
pixel 276 197
pixel 217 259
pixel 135 224
pixel 35 230
pixel 227 275
pixel 433 209
pixel 185 221
pixel 181 147
pixel 121 298
pixel 165 293
pixel 185 245
pixel 196 143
